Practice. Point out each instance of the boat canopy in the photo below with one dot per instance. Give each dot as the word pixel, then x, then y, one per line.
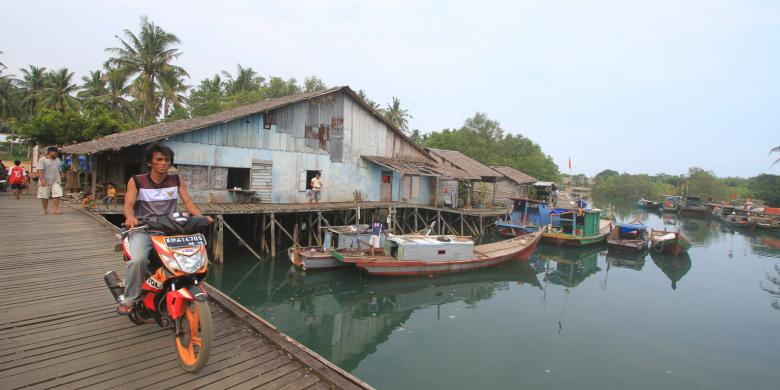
pixel 626 227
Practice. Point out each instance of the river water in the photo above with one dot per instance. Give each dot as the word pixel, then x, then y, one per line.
pixel 571 318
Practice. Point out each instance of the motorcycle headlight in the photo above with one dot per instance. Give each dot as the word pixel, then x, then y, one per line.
pixel 184 263
pixel 190 264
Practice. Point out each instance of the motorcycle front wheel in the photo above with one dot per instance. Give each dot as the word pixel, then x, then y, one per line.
pixel 194 344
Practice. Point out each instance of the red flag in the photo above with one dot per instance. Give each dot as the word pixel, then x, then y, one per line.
pixel 569 162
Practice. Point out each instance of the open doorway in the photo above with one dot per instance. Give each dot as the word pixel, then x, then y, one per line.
pixel 386 188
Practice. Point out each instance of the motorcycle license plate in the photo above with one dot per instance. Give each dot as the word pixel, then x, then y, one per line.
pixel 182 241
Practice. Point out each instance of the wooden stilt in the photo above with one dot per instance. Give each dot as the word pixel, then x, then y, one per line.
pixel 241 240
pixel 273 236
pixel 219 246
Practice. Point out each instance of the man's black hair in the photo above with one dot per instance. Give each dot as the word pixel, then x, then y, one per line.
pixel 51 149
pixel 17 162
pixel 157 147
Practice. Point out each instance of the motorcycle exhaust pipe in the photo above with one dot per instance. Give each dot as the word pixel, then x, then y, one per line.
pixel 115 285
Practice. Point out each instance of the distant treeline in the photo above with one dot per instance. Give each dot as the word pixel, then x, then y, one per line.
pixel 609 183
pixel 484 140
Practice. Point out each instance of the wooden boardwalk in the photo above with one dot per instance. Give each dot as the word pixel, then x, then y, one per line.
pixel 58 328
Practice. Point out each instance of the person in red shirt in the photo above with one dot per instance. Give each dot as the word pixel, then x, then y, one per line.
pixel 16 178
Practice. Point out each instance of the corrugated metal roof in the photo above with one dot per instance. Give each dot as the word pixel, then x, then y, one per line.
pixel 464 162
pixel 514 175
pixel 410 165
pixel 164 130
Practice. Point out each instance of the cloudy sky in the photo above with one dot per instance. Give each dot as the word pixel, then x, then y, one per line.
pixel 653 86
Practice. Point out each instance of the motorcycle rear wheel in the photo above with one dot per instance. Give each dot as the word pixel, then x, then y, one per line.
pixel 193 346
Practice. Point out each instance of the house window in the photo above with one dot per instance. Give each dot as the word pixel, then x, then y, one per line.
pixel 238 177
pixel 442 251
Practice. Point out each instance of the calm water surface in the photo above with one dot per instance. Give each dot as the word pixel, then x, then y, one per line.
pixel 584 318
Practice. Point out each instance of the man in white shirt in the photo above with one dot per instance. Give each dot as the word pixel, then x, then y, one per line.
pixel 316 187
pixel 49 180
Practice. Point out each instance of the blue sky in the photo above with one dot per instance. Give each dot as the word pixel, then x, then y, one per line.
pixel 642 87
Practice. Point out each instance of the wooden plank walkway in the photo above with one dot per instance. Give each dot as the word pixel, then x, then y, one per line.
pixel 58 328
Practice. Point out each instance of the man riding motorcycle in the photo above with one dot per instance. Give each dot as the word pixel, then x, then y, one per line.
pixel 154 194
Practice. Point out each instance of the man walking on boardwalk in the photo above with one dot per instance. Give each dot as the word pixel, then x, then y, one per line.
pixel 49 180
pixel 316 187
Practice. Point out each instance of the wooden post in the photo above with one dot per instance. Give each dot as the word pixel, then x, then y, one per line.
pixel 273 236
pixel 94 159
pixel 481 228
pixel 438 223
pixel 263 242
pixel 219 247
pixel 416 214
pixel 461 223
pixel 494 192
pixel 296 234
pixel 241 240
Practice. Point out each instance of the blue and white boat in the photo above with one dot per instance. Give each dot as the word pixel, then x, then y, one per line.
pixel 525 216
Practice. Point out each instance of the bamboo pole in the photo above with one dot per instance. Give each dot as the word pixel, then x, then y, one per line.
pixel 241 240
pixel 219 246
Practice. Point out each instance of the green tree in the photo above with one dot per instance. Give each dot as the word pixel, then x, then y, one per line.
pixel 313 83
pixel 54 127
pixel 118 89
pixel 278 87
pixel 94 85
pixel 245 81
pixel 362 95
pixel 767 188
pixel 702 182
pixel 149 57
pixel 32 83
pixel 396 115
pixel 59 90
pixel 207 98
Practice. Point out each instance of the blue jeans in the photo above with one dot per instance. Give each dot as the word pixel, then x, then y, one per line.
pixel 139 245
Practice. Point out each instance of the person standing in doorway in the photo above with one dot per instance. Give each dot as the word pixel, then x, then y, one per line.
pixel 49 181
pixel 316 188
pixel 16 178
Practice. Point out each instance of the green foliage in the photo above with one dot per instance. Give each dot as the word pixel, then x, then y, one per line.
pixel 626 186
pixel 396 115
pixel 53 127
pixel 483 139
pixel 767 188
pixel 702 182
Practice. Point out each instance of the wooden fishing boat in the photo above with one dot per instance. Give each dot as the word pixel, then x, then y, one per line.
pixel 648 204
pixel 577 228
pixel 352 237
pixel 693 205
pixel 525 216
pixel 767 222
pixel 672 243
pixel 425 255
pixel 671 203
pixel 632 236
pixel 735 217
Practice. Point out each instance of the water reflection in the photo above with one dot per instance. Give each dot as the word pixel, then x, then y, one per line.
pixel 566 266
pixel 626 259
pixel 674 267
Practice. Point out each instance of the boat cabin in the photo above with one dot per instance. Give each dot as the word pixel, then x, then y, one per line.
pixel 429 248
pixel 529 212
pixel 629 231
pixel 352 236
pixel 580 223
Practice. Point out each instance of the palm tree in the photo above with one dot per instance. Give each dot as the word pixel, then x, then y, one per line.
pixel 9 98
pixel 246 80
pixel 397 116
pixel 57 94
pixel 775 149
pixel 117 88
pixel 374 106
pixel 172 90
pixel 94 85
pixel 32 83
pixel 148 56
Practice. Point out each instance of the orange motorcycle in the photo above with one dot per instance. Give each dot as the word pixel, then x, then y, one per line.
pixel 172 295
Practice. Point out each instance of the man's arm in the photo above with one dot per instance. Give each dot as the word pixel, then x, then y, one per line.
pixel 130 197
pixel 41 175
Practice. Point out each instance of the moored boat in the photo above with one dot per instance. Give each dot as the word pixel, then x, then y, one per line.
pixel 352 237
pixel 425 255
pixel 693 205
pixel 525 216
pixel 671 203
pixel 735 217
pixel 647 204
pixel 577 228
pixel 632 236
pixel 672 243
